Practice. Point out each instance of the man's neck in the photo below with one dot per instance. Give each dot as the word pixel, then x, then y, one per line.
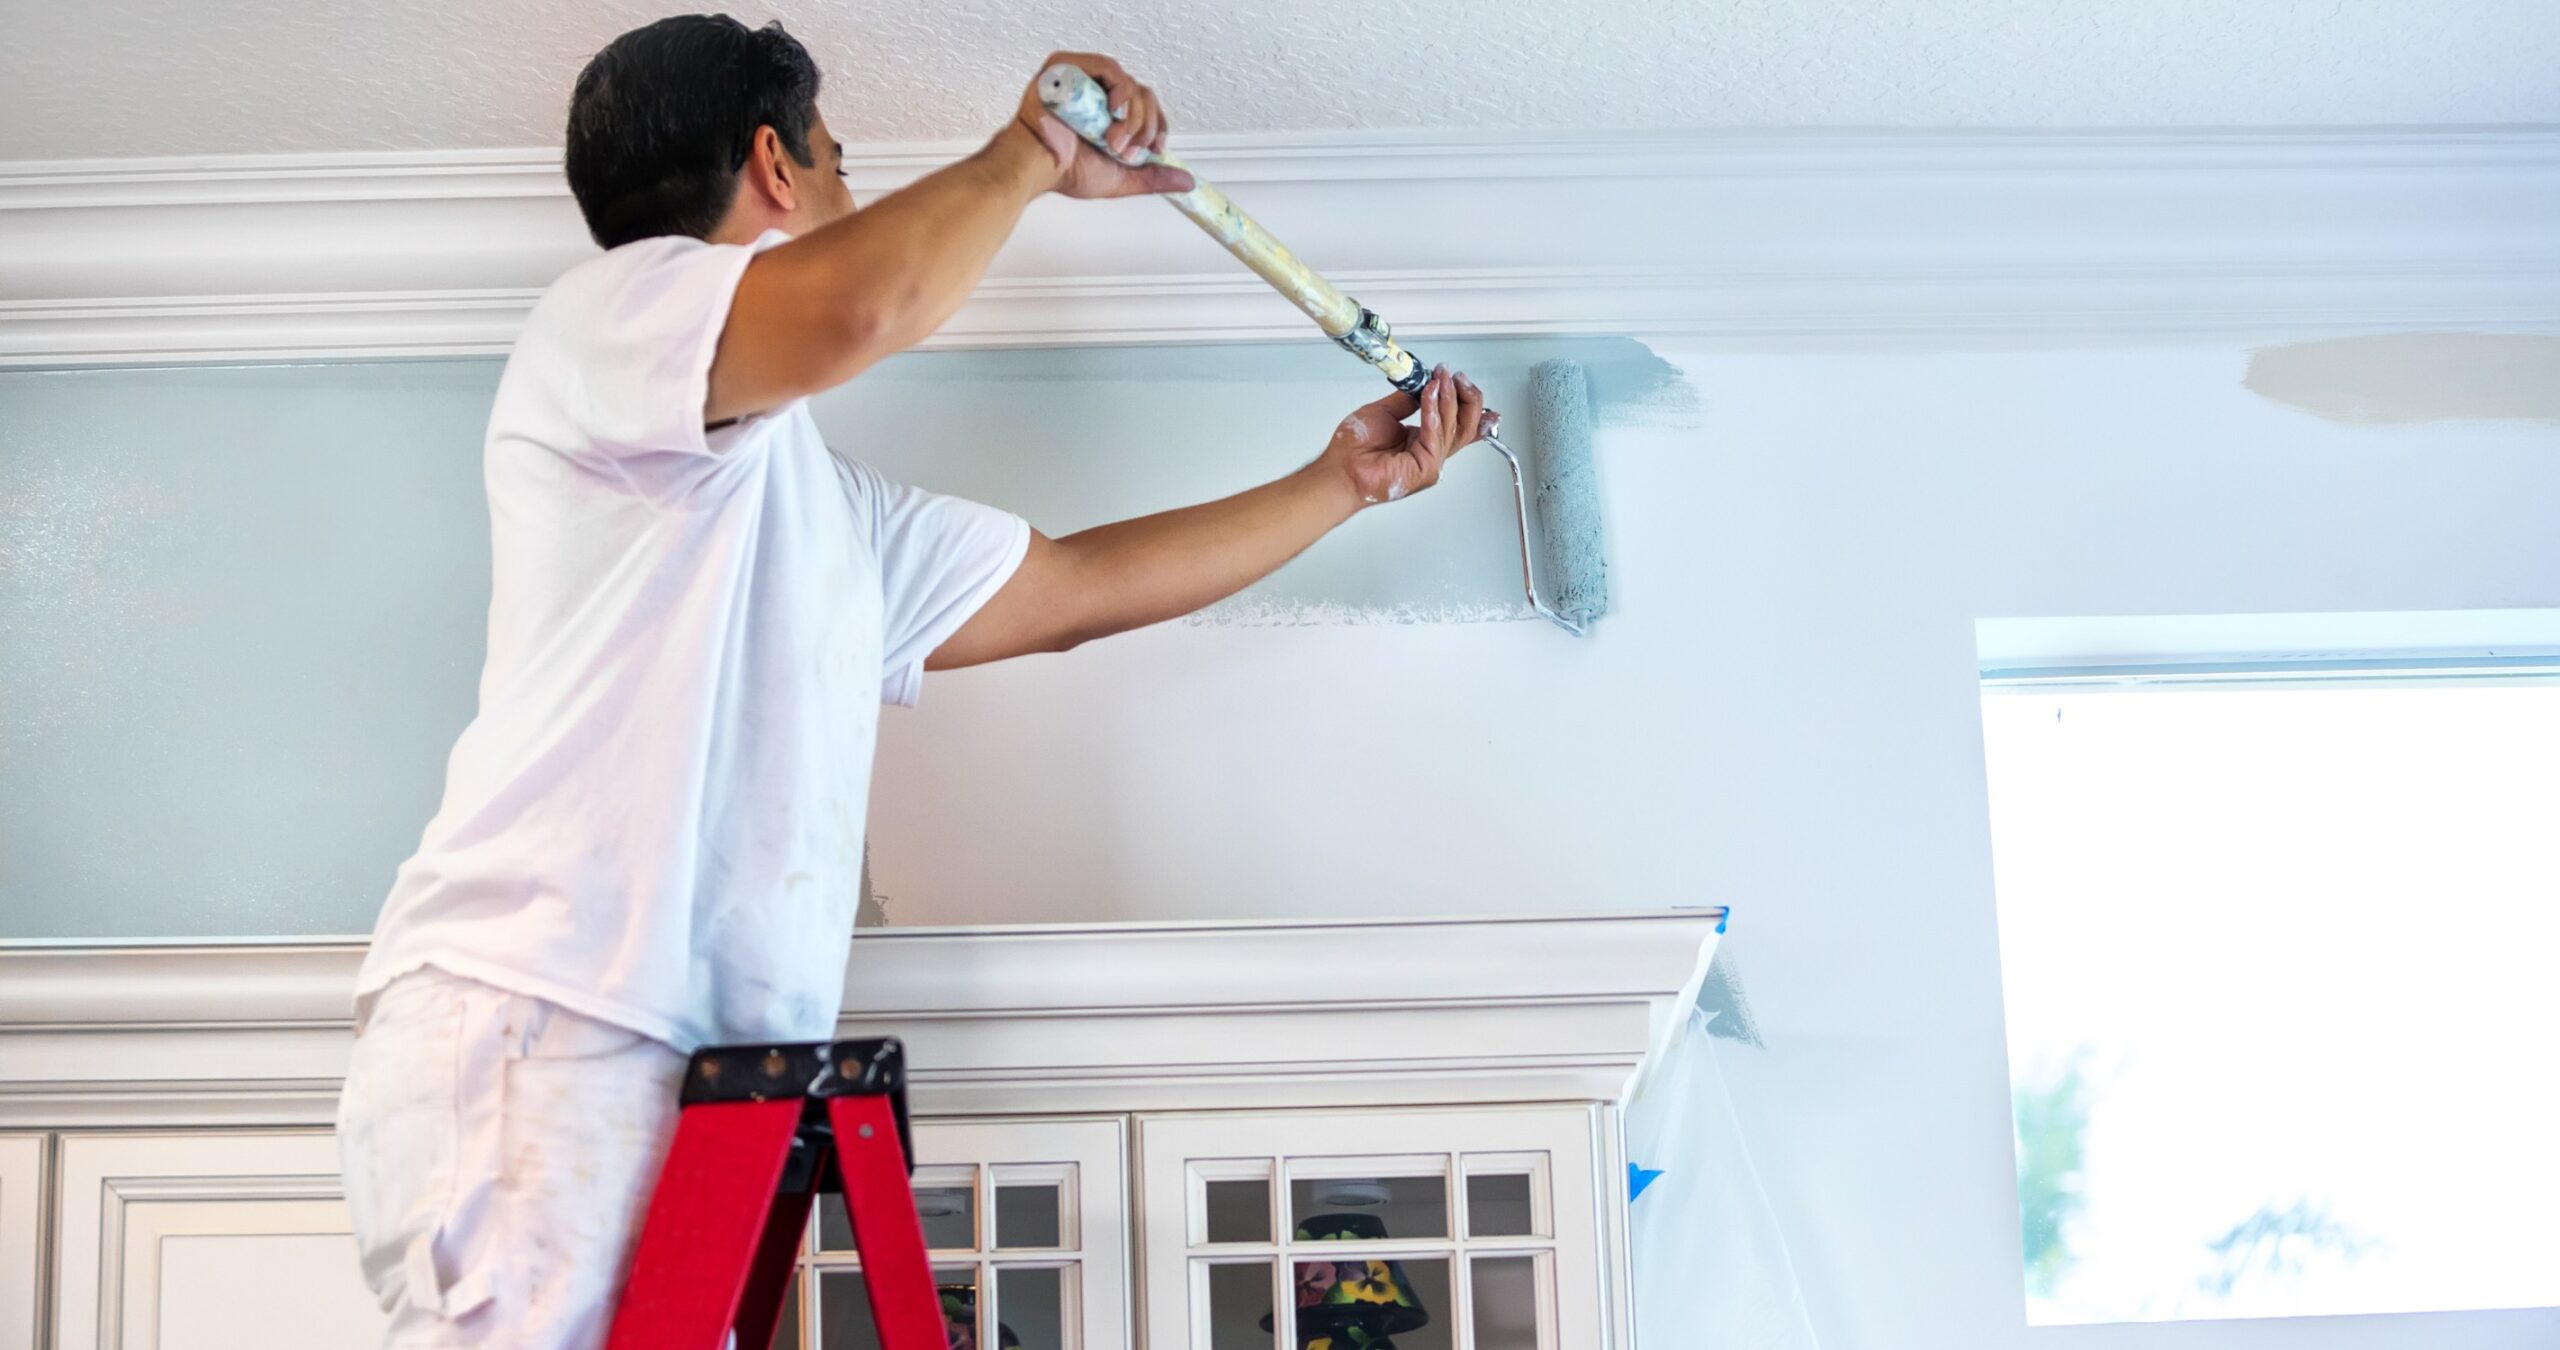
pixel 744 228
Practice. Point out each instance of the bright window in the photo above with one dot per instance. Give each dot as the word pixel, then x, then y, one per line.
pixel 2280 949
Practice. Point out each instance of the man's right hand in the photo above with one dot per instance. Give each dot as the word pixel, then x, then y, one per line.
pixel 1138 126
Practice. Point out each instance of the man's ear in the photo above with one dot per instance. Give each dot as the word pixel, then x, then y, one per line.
pixel 770 162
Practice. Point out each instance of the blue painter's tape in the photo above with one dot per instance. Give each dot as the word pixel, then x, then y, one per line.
pixel 1638 1178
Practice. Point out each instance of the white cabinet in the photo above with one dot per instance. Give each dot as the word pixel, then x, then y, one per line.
pixel 1475 1228
pixel 1461 1229
pixel 1470 1229
pixel 206 1242
pixel 22 1223
pixel 1127 1134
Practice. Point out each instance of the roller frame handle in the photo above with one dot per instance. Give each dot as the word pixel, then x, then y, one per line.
pixel 1079 101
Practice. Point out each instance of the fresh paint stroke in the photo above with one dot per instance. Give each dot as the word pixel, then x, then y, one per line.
pixel 1073 438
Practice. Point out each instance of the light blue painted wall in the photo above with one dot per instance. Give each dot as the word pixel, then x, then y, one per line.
pixel 242 609
pixel 240 623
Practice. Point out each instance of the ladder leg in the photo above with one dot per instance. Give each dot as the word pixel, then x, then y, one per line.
pixel 706 1222
pixel 895 1271
pixel 762 1309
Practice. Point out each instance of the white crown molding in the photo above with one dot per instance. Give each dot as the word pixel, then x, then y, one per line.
pixel 1803 237
pixel 1108 1017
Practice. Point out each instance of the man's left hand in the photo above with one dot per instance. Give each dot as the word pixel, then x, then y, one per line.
pixel 1384 459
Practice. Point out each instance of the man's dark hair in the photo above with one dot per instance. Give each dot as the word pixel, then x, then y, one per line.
pixel 664 117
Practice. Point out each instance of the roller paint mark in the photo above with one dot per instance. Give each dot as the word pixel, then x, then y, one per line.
pixel 1252 610
pixel 1627 385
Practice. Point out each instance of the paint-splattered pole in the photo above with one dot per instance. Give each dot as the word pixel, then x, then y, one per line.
pixel 1074 98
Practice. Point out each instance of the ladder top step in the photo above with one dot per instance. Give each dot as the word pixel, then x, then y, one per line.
pixel 872 1067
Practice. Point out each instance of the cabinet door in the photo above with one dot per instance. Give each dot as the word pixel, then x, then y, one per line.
pixel 21 1237
pixel 204 1242
pixel 1027 1221
pixel 1437 1230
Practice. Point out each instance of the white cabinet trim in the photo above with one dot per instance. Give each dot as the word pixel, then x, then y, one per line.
pixel 25 1206
pixel 1032 1019
pixel 107 1284
pixel 1860 237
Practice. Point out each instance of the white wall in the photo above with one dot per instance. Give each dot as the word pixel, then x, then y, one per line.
pixel 1780 715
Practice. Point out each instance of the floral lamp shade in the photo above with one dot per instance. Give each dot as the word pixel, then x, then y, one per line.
pixel 960 1320
pixel 1354 1304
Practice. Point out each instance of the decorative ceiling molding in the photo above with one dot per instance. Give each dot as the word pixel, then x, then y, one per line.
pixel 1809 237
pixel 1050 1017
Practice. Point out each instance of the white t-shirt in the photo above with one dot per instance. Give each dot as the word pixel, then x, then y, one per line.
pixel 656 817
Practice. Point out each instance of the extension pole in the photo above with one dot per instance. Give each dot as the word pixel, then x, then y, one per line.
pixel 1076 99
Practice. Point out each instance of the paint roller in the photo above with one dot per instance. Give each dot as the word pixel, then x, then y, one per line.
pixel 1566 499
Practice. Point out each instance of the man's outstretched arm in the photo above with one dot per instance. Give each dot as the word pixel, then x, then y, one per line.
pixel 815 312
pixel 1116 577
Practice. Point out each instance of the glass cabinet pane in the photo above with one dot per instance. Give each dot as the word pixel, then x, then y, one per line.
pixel 1031 1307
pixel 963 1319
pixel 844 1313
pixel 949 1208
pixel 1498 1205
pixel 1505 1294
pixel 1372 1301
pixel 1372 1208
pixel 1028 1212
pixel 1239 1211
pixel 1239 1306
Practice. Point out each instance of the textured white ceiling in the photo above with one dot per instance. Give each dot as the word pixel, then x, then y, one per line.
pixel 147 77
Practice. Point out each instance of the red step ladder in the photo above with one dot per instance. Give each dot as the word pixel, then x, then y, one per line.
pixel 764 1129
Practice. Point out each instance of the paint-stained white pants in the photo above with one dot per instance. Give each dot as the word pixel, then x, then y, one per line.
pixel 499 1151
